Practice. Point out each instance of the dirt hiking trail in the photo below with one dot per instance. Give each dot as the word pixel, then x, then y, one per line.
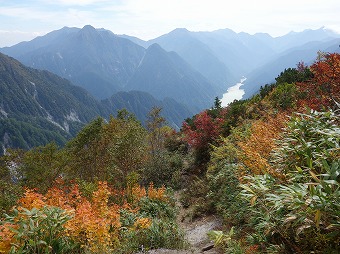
pixel 195 233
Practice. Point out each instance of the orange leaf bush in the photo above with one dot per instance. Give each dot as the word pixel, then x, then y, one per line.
pixel 152 193
pixel 255 150
pixel 156 193
pixel 32 199
pixel 324 89
pixel 142 223
pixel 94 223
pixel 7 237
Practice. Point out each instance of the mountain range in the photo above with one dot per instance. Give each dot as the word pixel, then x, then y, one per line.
pixel 104 63
pixel 37 106
pixel 97 72
pixel 259 57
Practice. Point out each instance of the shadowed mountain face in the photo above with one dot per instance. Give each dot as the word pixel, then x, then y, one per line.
pixel 141 103
pixel 38 107
pixel 164 74
pixel 198 54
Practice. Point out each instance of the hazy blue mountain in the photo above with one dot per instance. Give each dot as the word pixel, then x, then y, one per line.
pixel 222 56
pixel 198 55
pixel 38 107
pixel 240 53
pixel 267 73
pixel 96 60
pixel 104 63
pixel 295 39
pixel 25 47
pixel 166 75
pixel 265 38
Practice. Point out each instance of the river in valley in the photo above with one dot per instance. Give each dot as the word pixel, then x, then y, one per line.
pixel 233 93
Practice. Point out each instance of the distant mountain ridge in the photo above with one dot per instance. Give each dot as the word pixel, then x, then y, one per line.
pixel 253 56
pixel 181 71
pixel 198 55
pixel 96 60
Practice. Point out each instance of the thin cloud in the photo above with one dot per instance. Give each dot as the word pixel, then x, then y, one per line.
pixel 151 18
pixel 9 38
pixel 69 16
pixel 75 2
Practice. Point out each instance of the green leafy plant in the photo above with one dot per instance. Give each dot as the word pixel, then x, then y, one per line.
pixel 226 241
pixel 301 210
pixel 40 230
pixel 157 227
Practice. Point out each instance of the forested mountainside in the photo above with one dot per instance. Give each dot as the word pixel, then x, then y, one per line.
pixel 101 165
pixel 269 166
pixel 38 107
pixel 141 103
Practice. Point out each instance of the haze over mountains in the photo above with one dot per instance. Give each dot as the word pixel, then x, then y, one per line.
pixel 259 57
pixel 181 71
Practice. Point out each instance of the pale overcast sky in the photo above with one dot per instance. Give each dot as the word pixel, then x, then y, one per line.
pixel 25 19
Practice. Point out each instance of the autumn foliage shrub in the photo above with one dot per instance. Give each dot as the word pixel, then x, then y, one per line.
pixel 255 150
pixel 284 96
pixel 92 224
pixel 203 132
pixel 64 220
pixel 155 222
pixel 323 90
pixel 288 164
